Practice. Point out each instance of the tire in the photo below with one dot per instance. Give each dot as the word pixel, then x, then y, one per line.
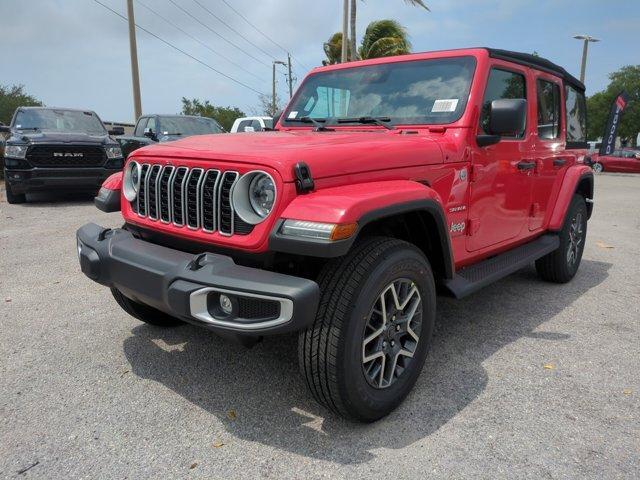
pixel 332 351
pixel 14 198
pixel 143 312
pixel 597 167
pixel 561 265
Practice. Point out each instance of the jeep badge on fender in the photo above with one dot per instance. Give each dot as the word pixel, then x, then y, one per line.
pixel 340 224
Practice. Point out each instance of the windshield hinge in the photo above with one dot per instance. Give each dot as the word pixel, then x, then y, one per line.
pixel 304 180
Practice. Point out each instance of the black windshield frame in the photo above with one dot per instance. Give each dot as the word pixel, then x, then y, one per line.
pixel 308 91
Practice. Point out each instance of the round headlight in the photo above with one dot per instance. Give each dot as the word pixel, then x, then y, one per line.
pixel 131 181
pixel 254 196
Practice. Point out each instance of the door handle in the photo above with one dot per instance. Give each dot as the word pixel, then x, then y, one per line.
pixel 526 165
pixel 559 162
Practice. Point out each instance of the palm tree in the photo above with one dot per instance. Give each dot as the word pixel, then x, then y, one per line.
pixel 333 49
pixel 384 38
pixel 352 21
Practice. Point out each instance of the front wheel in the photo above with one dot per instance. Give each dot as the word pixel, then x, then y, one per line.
pixel 561 265
pixel 597 167
pixel 372 332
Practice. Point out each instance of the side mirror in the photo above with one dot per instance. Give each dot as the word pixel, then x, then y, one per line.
pixel 148 132
pixel 507 117
pixel 116 131
pixel 5 129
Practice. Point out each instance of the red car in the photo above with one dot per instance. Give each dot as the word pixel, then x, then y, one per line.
pixel 385 178
pixel 619 161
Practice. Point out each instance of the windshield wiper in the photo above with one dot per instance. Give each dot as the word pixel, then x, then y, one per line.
pixel 171 133
pixel 320 127
pixel 365 120
pixel 28 128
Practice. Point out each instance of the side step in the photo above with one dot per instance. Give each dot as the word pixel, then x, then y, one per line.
pixel 471 279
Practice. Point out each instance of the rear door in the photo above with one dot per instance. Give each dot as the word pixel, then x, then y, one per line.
pixel 548 144
pixel 500 190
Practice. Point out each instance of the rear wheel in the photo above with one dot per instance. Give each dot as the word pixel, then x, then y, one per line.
pixel 143 312
pixel 597 167
pixel 372 332
pixel 561 265
pixel 14 198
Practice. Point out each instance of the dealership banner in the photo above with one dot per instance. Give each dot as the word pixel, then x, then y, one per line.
pixel 611 130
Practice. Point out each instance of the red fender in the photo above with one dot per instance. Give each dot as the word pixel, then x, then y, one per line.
pixel 113 182
pixel 349 203
pixel 572 179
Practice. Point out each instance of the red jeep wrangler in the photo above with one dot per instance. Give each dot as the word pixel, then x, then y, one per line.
pixel 385 179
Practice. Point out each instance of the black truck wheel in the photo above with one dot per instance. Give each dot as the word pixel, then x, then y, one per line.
pixel 143 312
pixel 14 198
pixel 372 332
pixel 561 265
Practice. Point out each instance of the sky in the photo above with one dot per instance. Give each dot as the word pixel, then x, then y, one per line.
pixel 75 53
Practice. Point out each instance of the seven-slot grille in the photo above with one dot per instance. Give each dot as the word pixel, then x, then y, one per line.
pixel 197 198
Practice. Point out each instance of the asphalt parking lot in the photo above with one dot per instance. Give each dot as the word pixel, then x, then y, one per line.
pixel 525 379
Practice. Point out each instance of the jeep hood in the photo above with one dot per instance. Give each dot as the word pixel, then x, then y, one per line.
pixel 328 154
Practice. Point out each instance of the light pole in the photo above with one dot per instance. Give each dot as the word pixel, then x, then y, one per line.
pixel 585 48
pixel 273 97
pixel 133 50
pixel 345 33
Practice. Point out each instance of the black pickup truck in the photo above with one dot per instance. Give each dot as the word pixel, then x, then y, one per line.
pixel 166 128
pixel 57 149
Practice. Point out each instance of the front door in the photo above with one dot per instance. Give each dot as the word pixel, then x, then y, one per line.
pixel 500 191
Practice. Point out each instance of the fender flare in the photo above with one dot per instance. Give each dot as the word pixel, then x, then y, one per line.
pixel 578 178
pixel 108 198
pixel 363 204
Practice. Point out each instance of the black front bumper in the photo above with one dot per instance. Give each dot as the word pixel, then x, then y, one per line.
pixel 186 285
pixel 41 179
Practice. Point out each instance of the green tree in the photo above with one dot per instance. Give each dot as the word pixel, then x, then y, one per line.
pixel 384 38
pixel 599 104
pixel 225 116
pixel 353 17
pixel 12 97
pixel 333 49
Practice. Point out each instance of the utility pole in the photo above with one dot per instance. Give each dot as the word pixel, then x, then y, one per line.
pixel 135 76
pixel 290 76
pixel 274 105
pixel 345 32
pixel 585 48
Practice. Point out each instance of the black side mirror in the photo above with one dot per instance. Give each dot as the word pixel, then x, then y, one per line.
pixel 116 131
pixel 507 117
pixel 149 133
pixel 5 129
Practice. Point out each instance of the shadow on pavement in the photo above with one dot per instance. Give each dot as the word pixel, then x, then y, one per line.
pixel 264 388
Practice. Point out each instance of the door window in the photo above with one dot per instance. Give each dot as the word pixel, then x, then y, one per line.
pixel 576 116
pixel 501 84
pixel 142 124
pixel 548 110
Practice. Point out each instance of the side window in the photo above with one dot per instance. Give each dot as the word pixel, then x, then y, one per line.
pixel 152 124
pixel 256 126
pixel 501 84
pixel 548 109
pixel 141 125
pixel 576 115
pixel 243 124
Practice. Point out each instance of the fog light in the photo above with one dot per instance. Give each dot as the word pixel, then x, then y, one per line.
pixel 225 304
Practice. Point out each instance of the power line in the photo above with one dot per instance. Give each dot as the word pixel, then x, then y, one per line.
pixel 199 41
pixel 218 35
pixel 264 34
pixel 233 29
pixel 180 50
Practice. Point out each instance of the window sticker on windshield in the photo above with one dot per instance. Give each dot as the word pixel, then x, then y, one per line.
pixel 445 105
pixel 293 114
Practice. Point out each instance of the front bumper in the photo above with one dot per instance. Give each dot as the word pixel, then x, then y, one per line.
pixel 40 179
pixel 187 286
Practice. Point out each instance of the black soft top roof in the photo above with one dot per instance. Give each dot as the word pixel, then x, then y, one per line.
pixel 536 62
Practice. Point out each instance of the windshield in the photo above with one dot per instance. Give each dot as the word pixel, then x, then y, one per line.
pixel 413 92
pixel 59 120
pixel 188 126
